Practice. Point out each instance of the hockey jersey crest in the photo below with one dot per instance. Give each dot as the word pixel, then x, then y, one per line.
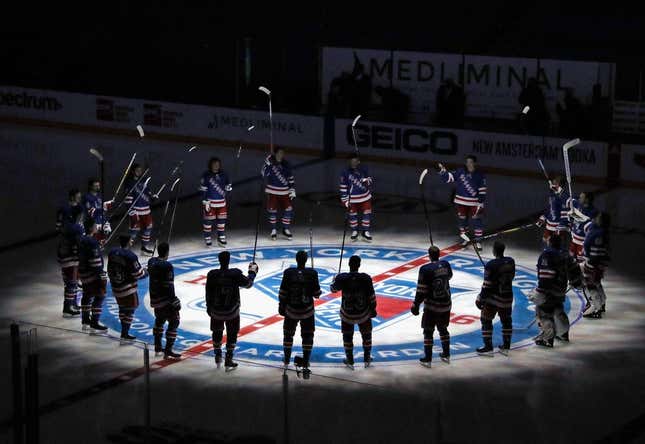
pixel 471 188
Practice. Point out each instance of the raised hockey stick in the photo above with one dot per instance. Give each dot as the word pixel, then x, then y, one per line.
pixel 116 229
pixel 465 237
pixel 525 112
pixel 311 233
pixel 266 91
pixel 354 133
pixel 425 205
pixel 349 208
pixel 133 186
pixel 177 185
pixel 125 174
pixel 257 220
pixel 565 155
pixel 96 153
pixel 174 171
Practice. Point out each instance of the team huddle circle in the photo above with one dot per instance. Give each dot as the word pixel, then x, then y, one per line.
pixel 397 334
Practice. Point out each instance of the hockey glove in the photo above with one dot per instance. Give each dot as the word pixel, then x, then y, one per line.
pixel 292 193
pixel 541 221
pixel 479 303
pixel 228 188
pixel 176 303
pixel 414 309
pixel 207 205
pixel 107 228
pixel 253 268
pixel 373 313
pixel 268 161
pixel 442 169
pixel 281 310
pixel 107 204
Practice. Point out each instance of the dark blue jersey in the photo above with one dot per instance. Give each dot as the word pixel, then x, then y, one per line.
pixel 90 266
pixel 497 288
pixel 298 289
pixel 433 286
pixel 124 270
pixel 358 298
pixel 223 292
pixel 162 282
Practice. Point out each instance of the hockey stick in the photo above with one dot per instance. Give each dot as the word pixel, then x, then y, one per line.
pixel 133 186
pixel 349 208
pixel 125 174
pixel 311 233
pixel 425 205
pixel 174 208
pixel 525 112
pixel 354 133
pixel 96 153
pixel 465 237
pixel 174 171
pixel 257 220
pixel 266 91
pixel 565 154
pixel 163 219
pixel 116 229
pixel 500 233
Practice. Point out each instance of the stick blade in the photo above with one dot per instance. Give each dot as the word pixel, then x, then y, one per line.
pixel 265 90
pixel 526 109
pixel 192 148
pixel 172 188
pixel 250 128
pixel 422 176
pixel 356 119
pixel 465 237
pixel 140 131
pixel 570 144
pixel 96 153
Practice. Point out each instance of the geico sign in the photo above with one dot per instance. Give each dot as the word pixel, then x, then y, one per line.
pixel 416 140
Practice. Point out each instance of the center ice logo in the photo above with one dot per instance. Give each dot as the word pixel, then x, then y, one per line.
pixel 397 334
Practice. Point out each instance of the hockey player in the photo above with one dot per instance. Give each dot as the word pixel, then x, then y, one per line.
pixel 64 213
pixel 280 191
pixel 95 208
pixel 358 307
pixel 223 305
pixel 70 235
pixel 582 215
pixel 596 260
pixel 356 196
pixel 433 289
pixel 556 268
pixel 139 197
pixel 93 278
pixel 164 301
pixel 470 195
pixel 124 270
pixel 496 298
pixel 298 289
pixel 555 218
pixel 214 186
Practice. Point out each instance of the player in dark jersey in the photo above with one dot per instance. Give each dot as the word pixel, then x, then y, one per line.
pixel 298 289
pixel 223 305
pixel 433 289
pixel 93 278
pixel 358 307
pixel 556 269
pixel 164 301
pixel 69 211
pixel 124 270
pixel 496 298
pixel 70 231
pixel 596 261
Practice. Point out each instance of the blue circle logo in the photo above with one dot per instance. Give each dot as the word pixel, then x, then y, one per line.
pixel 397 333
